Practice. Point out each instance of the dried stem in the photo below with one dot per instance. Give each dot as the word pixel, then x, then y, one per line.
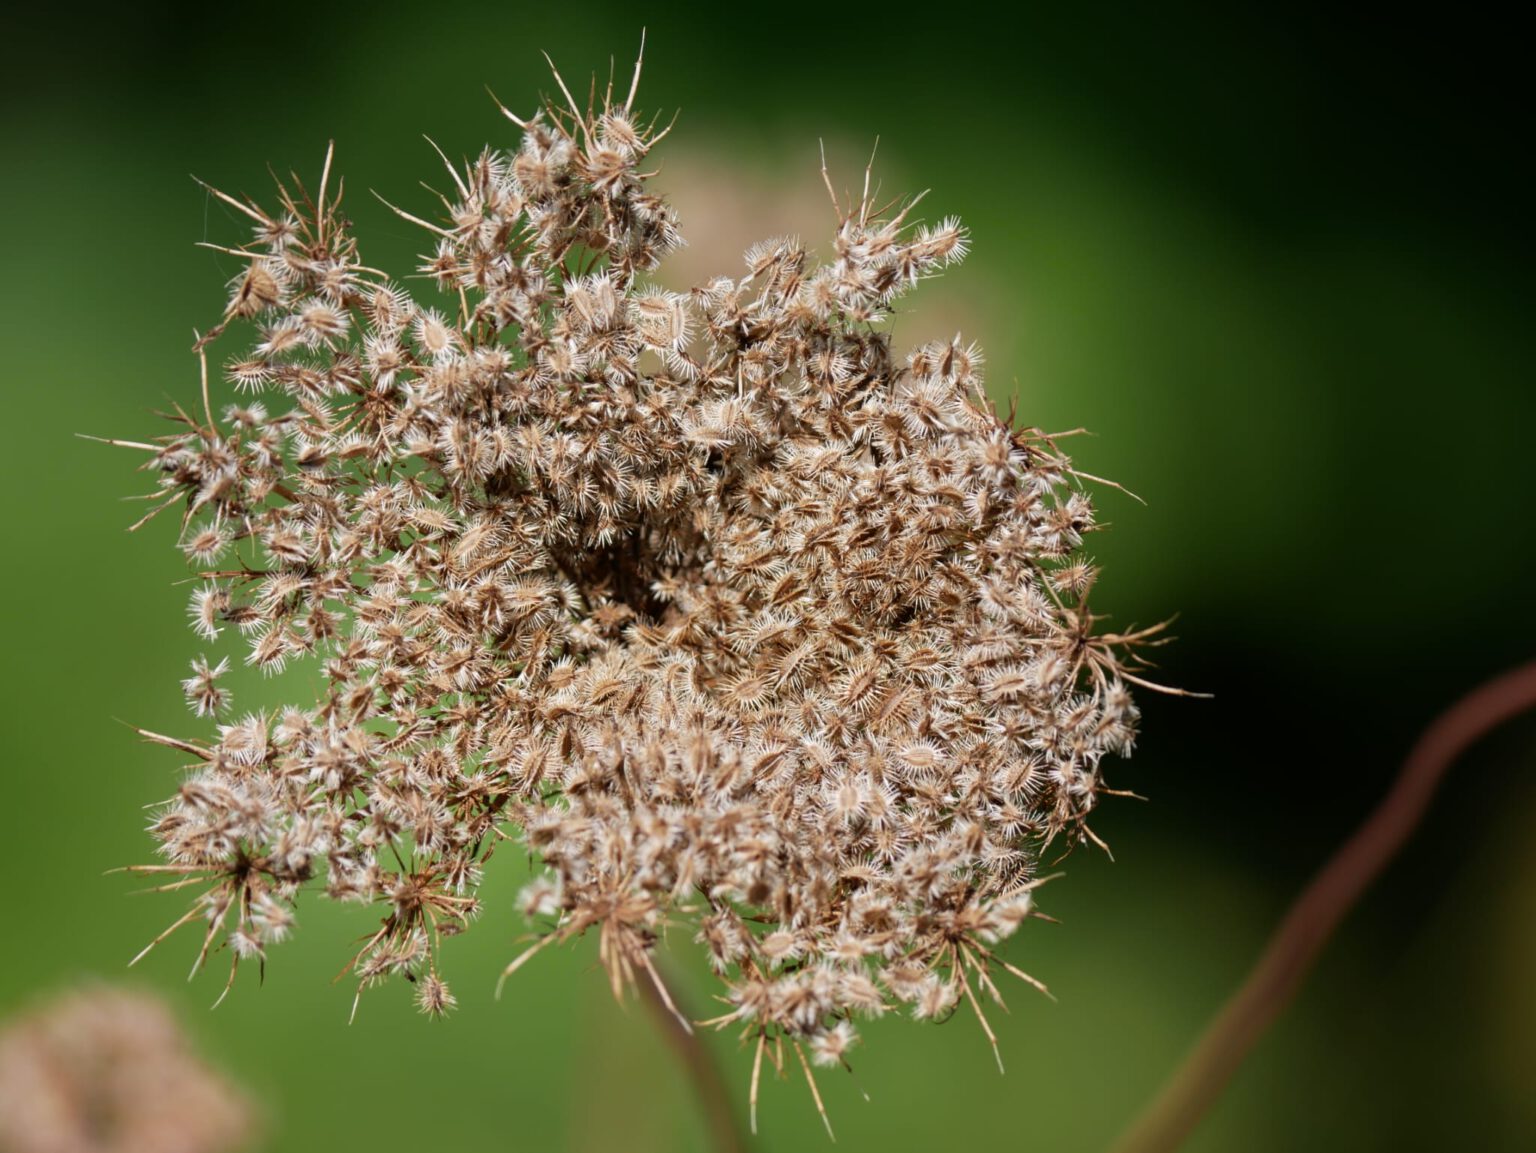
pixel 1178 1108
pixel 703 1074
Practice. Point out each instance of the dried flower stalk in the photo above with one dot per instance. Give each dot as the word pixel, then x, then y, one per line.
pixel 728 614
pixel 1170 1117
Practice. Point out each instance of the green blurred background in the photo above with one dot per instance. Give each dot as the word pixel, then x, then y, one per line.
pixel 1279 263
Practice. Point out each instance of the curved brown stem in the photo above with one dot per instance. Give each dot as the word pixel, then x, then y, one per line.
pixel 1178 1107
pixel 703 1074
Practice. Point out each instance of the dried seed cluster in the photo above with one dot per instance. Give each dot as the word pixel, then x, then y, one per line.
pixel 100 1070
pixel 730 615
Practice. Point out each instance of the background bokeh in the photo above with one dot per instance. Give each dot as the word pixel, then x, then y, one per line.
pixel 1279 262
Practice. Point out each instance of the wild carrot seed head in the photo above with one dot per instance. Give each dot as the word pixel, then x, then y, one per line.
pixel 728 614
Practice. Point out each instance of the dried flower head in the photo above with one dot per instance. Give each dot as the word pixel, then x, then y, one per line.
pixel 729 614
pixel 105 1071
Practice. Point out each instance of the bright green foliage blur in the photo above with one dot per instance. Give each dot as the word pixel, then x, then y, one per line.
pixel 1278 266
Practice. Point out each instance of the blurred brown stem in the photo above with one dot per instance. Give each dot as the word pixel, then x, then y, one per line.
pixel 1184 1099
pixel 702 1072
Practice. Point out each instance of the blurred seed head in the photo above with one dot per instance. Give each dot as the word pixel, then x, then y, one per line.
pixel 105 1071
